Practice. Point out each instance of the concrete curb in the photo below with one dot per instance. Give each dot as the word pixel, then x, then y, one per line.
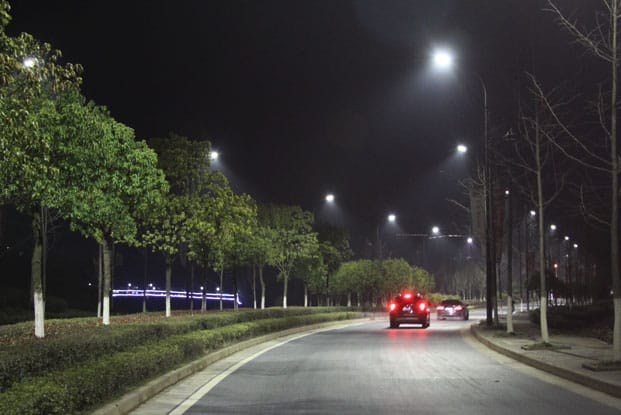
pixel 138 396
pixel 570 375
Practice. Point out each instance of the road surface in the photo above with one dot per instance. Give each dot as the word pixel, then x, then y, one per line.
pixel 369 368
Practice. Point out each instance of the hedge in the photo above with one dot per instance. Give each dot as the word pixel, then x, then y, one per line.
pixel 37 356
pixel 101 379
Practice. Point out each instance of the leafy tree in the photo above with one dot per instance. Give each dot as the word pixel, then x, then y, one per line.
pixel 31 76
pixel 293 239
pixel 312 270
pixel 124 184
pixel 186 165
pixel 335 249
pixel 360 277
pixel 262 249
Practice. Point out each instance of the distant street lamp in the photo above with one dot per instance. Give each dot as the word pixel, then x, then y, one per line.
pixel 435 230
pixel 213 155
pixel 462 149
pixel 392 218
pixel 443 59
pixel 329 198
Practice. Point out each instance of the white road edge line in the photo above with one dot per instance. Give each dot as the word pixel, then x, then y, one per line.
pixel 204 390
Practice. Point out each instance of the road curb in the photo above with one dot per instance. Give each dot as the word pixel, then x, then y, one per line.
pixel 140 395
pixel 567 374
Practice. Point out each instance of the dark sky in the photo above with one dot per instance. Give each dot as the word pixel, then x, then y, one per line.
pixel 306 97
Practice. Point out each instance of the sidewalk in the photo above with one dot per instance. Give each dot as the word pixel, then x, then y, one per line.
pixel 566 362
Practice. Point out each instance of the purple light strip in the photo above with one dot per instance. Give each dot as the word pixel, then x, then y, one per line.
pixel 174 294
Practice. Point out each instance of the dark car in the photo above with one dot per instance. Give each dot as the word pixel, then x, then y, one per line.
pixel 408 308
pixel 452 308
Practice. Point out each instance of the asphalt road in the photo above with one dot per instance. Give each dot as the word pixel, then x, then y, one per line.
pixel 371 369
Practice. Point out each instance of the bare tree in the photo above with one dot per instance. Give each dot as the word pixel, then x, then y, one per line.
pixel 601 41
pixel 541 182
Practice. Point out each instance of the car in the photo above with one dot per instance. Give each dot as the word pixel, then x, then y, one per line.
pixel 452 308
pixel 409 308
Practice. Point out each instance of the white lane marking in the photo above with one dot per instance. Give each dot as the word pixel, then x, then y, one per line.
pixel 204 390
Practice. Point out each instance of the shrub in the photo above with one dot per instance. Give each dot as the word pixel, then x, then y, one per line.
pixel 97 380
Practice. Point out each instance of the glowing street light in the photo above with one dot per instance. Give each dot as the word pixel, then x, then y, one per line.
pixel 462 149
pixel 469 240
pixel 442 59
pixel 30 62
pixel 392 218
pixel 330 198
pixel 553 227
pixel 533 213
pixel 213 155
pixel 435 230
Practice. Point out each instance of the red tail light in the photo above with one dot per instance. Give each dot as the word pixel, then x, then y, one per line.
pixel 458 308
pixel 440 307
pixel 392 306
pixel 407 296
pixel 422 306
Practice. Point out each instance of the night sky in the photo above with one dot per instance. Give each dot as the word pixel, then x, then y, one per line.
pixel 307 97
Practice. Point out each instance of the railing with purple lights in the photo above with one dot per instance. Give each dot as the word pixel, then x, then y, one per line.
pixel 197 295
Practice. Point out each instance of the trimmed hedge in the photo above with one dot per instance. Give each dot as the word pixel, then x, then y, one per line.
pixel 37 356
pixel 98 380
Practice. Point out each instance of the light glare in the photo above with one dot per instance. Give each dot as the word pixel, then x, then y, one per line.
pixel 330 198
pixel 442 59
pixel 392 218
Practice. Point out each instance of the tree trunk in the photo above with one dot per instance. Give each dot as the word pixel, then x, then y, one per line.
pixel 235 305
pixel 99 279
pixel 204 292
pixel 305 295
pixel 543 296
pixel 221 286
pixel 107 266
pixel 285 278
pixel 144 282
pixel 509 223
pixel 254 287
pixel 168 283
pixel 262 282
pixel 614 166
pixel 192 288
pixel 37 283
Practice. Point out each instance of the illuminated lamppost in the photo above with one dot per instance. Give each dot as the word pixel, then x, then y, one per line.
pixel 443 60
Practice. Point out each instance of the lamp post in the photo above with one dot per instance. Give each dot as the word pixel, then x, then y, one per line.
pixel 443 60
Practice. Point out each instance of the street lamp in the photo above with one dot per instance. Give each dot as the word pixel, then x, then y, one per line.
pixel 462 149
pixel 213 155
pixel 330 198
pixel 435 230
pixel 392 218
pixel 443 60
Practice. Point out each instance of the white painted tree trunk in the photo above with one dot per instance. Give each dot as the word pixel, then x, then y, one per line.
pixel 107 263
pixel 39 310
pixel 168 283
pixel 37 282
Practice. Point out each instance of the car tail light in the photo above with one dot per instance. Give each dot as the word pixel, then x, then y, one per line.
pixel 440 307
pixel 407 296
pixel 422 306
pixel 458 307
pixel 392 306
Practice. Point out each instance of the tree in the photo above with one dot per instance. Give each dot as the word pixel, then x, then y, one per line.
pixel 312 271
pixel 31 76
pixel 124 185
pixel 186 166
pixel 601 41
pixel 293 238
pixel 335 249
pixel 262 249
